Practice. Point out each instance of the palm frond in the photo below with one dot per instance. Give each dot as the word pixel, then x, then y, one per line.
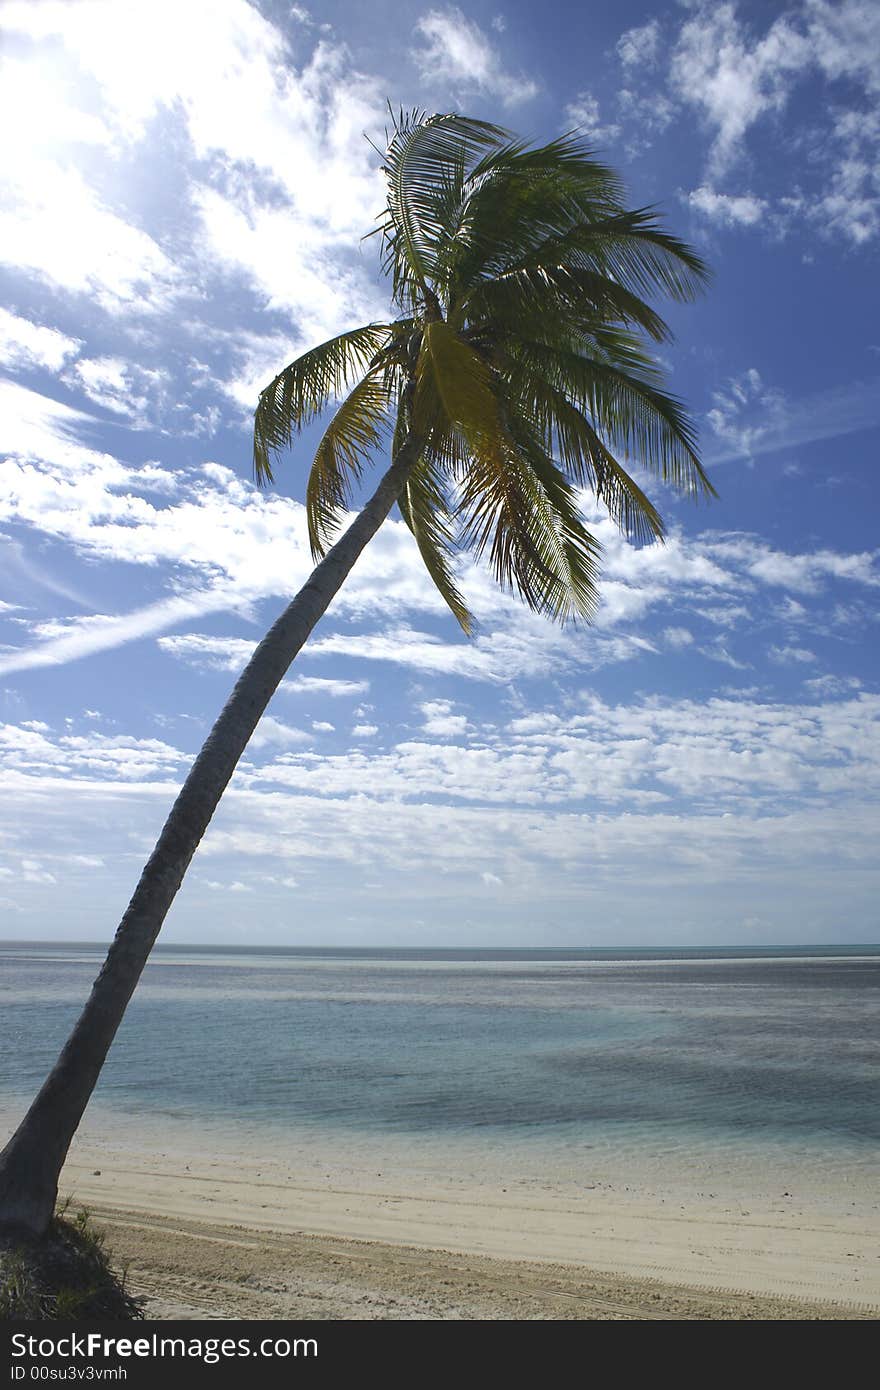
pixel 353 434
pixel 423 152
pixel 524 514
pixel 631 246
pixel 454 390
pixel 425 509
pixel 299 393
pixel 586 459
pixel 520 372
pixel 630 409
pixel 517 197
pixel 578 299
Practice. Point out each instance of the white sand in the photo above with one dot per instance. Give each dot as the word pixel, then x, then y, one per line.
pixel 803 1245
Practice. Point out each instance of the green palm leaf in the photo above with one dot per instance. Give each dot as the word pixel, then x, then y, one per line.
pixel 299 393
pixel 454 388
pixel 585 458
pixel 355 431
pixel 647 423
pixel 425 509
pixel 518 508
pixel 422 155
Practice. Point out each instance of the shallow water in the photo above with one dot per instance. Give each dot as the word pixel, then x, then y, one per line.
pixel 548 1055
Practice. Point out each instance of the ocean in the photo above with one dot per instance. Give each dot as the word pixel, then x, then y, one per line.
pixel 573 1063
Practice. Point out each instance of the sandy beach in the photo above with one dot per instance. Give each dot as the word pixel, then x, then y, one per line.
pixel 224 1236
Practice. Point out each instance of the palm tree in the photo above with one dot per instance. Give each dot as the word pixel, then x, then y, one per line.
pixel 517 373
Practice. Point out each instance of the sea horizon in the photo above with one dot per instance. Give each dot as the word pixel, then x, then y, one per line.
pixel 695 951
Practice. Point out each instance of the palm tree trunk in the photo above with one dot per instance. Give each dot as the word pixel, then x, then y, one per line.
pixel 31 1163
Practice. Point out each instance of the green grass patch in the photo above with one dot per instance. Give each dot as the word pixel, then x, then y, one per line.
pixel 65 1276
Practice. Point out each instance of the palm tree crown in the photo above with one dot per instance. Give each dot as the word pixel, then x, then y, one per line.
pixel 519 365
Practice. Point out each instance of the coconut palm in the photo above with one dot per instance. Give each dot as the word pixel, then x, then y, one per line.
pixel 517 374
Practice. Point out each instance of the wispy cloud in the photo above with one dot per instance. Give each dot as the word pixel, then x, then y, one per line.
pixel 102 632
pixel 583 114
pixel 25 344
pixel 756 419
pixel 456 50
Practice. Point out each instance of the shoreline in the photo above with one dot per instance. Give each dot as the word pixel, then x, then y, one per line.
pixel 210 1222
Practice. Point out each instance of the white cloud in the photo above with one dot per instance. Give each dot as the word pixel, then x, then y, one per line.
pixel 758 419
pixel 281 180
pixel 737 79
pixel 26 344
pixel 232 546
pixel 81 637
pixel 440 720
pixel 846 39
pixel 456 50
pixel 746 413
pixel 209 653
pixel 786 656
pixel 293 268
pixel 740 210
pixel 732 80
pixel 100 254
pixel 519 649
pixel 825 687
pixel 639 47
pixel 583 113
pixel 722 752
pixel 139 393
pixel 805 572
pixel 704 795
pixel 851 204
pixel 319 685
pixel 271 732
pixel 94 756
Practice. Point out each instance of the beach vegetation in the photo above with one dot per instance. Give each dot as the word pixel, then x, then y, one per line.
pixel 64 1275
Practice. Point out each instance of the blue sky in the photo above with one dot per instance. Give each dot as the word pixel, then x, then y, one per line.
pixel 181 214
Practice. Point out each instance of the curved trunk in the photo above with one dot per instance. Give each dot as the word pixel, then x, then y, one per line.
pixel 31 1163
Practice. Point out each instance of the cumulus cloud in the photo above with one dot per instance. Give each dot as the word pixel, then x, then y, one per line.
pixel 271 732
pixel 786 656
pixel 738 79
pixel 644 755
pixel 92 756
pixel 126 388
pixel 731 78
pixel 804 573
pixel 440 720
pixel 740 210
pixel 322 685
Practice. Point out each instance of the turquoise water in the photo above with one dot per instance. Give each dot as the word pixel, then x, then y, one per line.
pixel 667 1050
